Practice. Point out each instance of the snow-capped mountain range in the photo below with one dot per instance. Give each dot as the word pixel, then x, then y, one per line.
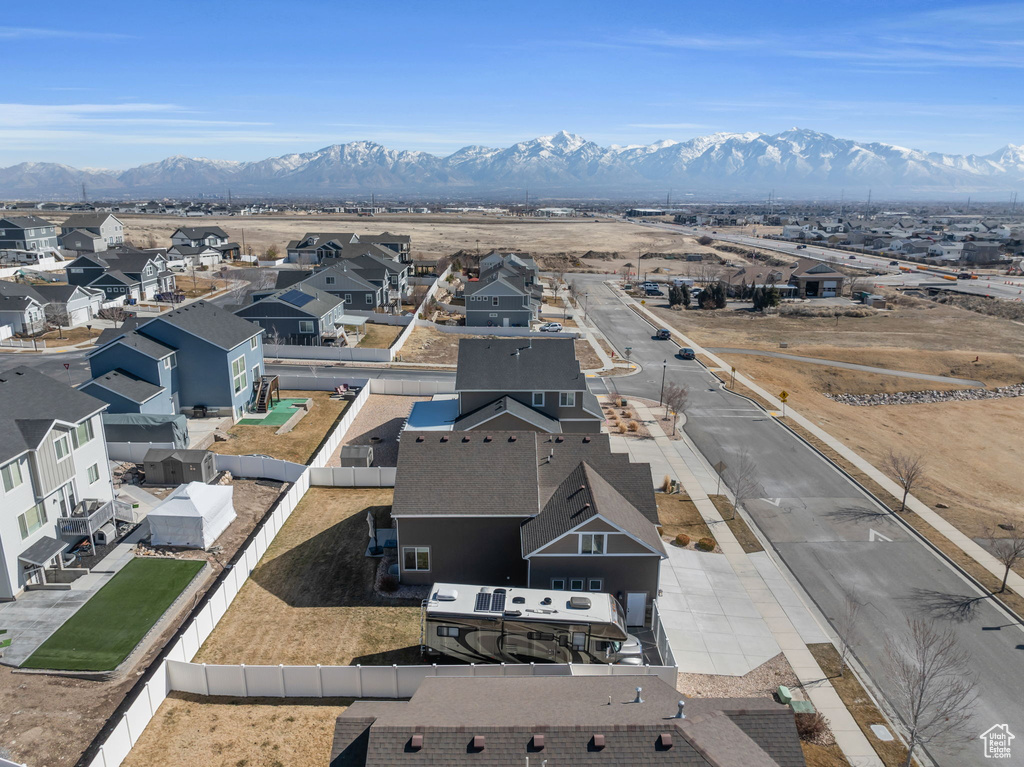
pixel 795 162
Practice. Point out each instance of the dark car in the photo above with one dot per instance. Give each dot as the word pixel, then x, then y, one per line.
pixel 663 334
pixel 653 292
pixel 686 353
pixel 894 263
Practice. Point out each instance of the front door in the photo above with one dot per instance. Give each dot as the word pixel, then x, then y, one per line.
pixel 504 322
pixel 636 608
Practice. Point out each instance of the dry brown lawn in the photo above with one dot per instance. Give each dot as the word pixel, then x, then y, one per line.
pixel 311 598
pixel 71 336
pixel 678 514
pixel 379 336
pixel 190 730
pixel 587 356
pixel 431 346
pixel 298 445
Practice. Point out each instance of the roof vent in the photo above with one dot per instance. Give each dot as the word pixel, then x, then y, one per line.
pixel 444 438
pixel 447 595
pixel 586 439
pixel 680 714
pixel 416 742
pixel 465 439
pixel 598 740
pixel 512 438
pixel 583 603
pixel 638 699
pixel 538 741
pixel 488 438
pixel 559 439
pixel 419 438
pixel 665 740
pixel 518 600
pixel 478 742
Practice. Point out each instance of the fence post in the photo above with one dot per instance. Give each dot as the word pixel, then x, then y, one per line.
pixel 245 683
pixel 394 677
pixel 284 691
pixel 206 681
pixel 319 681
pixel 359 680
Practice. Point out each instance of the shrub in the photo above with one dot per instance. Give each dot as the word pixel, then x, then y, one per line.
pixel 389 583
pixel 683 539
pixel 634 426
pixel 812 728
pixel 622 428
pixel 666 484
pixel 706 544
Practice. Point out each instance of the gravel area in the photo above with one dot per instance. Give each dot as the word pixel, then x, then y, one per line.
pixel 922 397
pixel 760 682
pixel 381 417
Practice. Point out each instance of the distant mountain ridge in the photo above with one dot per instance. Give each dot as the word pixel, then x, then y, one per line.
pixel 793 162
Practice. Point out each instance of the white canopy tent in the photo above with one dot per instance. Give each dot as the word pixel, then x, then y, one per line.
pixel 194 516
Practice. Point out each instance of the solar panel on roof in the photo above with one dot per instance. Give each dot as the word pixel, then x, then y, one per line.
pixel 296 298
pixel 483 602
pixel 498 602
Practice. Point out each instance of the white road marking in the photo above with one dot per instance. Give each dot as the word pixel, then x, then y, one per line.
pixel 874 535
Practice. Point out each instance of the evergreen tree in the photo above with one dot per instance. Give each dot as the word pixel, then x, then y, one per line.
pixel 684 296
pixel 721 298
pixel 772 297
pixel 758 299
pixel 674 296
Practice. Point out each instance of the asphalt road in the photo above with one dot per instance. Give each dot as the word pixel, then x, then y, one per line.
pixel 833 537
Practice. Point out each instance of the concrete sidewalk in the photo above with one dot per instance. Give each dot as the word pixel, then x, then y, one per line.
pixel 959 539
pixel 762 592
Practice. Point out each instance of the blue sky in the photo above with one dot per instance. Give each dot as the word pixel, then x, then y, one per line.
pixel 115 84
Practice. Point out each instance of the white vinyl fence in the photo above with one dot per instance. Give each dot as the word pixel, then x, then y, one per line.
pixel 338 432
pixel 335 353
pixel 134 451
pixel 394 681
pixel 336 476
pixel 327 382
pixel 664 648
pixel 254 466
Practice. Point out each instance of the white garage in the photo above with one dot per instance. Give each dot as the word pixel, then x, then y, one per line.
pixel 193 516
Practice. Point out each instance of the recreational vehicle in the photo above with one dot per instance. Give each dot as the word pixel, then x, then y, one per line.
pixel 483 623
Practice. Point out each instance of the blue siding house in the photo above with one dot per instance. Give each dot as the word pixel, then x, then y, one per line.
pixel 199 354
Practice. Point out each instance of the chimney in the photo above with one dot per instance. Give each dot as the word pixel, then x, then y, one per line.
pixel 638 699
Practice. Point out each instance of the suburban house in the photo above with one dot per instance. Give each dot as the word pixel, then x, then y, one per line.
pixel 195 255
pixel 314 247
pixel 564 720
pixel 81 241
pixel 555 511
pixel 299 315
pixel 508 292
pixel 198 355
pixel 399 243
pixel 104 225
pixel 346 281
pixel 53 458
pixel 511 384
pixel 385 273
pixel 123 272
pixel 206 237
pixel 67 305
pixel 25 313
pixel 27 233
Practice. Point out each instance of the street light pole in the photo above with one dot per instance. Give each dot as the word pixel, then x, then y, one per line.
pixel 664 369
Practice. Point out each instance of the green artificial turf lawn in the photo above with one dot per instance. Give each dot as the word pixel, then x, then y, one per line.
pixel 277 416
pixel 109 626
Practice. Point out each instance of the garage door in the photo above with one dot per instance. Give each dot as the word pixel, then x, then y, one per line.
pixel 828 289
pixel 79 316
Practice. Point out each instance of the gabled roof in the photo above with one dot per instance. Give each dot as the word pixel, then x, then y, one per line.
pixel 62 293
pixel 190 250
pixel 85 220
pixel 581 496
pixel 208 322
pixel 518 364
pixel 508 406
pixel 114 276
pixel 200 232
pixel 137 341
pixel 347 277
pixel 488 286
pixel 81 233
pixel 31 402
pixel 288 277
pixel 125 385
pixel 18 303
pixel 24 222
pixel 20 290
pixel 301 299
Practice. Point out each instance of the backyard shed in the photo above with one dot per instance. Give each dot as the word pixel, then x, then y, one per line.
pixel 193 516
pixel 176 467
pixel 359 456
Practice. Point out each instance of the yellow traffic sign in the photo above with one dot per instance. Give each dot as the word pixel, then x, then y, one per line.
pixel 783 396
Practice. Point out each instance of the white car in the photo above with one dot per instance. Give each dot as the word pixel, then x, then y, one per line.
pixel 551 327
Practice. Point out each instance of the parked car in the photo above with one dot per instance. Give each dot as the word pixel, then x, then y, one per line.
pixel 894 263
pixel 653 292
pixel 853 258
pixel 663 334
pixel 686 353
pixel 551 327
pixel 801 247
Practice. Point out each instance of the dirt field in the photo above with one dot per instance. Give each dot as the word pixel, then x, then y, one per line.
pixel 971 448
pixel 379 336
pixel 432 346
pixel 190 730
pixel 311 598
pixel 49 720
pixel 299 444
pixel 71 336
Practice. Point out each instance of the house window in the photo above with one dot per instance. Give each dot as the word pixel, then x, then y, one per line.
pixel 254 342
pixel 595 584
pixel 592 543
pixel 305 326
pixel 62 446
pixel 238 378
pixel 493 314
pixel 416 558
pixel 329 280
pixel 558 584
pixel 538 399
pixel 567 399
pixel 369 299
pixel 167 363
pixel 32 520
pixel 494 301
pixel 94 473
pixel 575 584
pixel 82 434
pixel 448 631
pixel 11 474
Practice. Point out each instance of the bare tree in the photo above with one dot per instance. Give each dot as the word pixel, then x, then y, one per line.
pixel 930 685
pixel 57 316
pixel 847 626
pixel 1009 551
pixel 741 476
pixel 907 468
pixel 676 398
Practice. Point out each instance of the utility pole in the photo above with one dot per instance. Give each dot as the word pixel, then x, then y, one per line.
pixel 84 198
pixel 664 370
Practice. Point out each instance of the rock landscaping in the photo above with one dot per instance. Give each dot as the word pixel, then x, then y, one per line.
pixel 923 397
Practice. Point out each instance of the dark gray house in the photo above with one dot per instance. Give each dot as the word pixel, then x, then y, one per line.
pixel 507 294
pixel 27 233
pixel 314 247
pixel 298 315
pixel 122 272
pixel 568 721
pixel 535 510
pixel 81 241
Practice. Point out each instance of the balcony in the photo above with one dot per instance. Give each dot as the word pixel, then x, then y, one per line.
pixel 90 515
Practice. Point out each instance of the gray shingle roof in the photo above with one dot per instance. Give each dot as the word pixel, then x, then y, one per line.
pixel 126 385
pixel 25 222
pixel 320 304
pixel 157 454
pixel 568 712
pixel 582 495
pixel 17 290
pixel 200 232
pixel 288 277
pixel 518 364
pixel 507 405
pixel 141 343
pixel 86 220
pixel 209 322
pixel 29 404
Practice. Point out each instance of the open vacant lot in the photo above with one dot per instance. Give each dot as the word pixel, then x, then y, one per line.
pixel 971 448
pixel 311 598
pixel 379 336
pixel 190 730
pixel 107 627
pixel 299 444
pixel 432 346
